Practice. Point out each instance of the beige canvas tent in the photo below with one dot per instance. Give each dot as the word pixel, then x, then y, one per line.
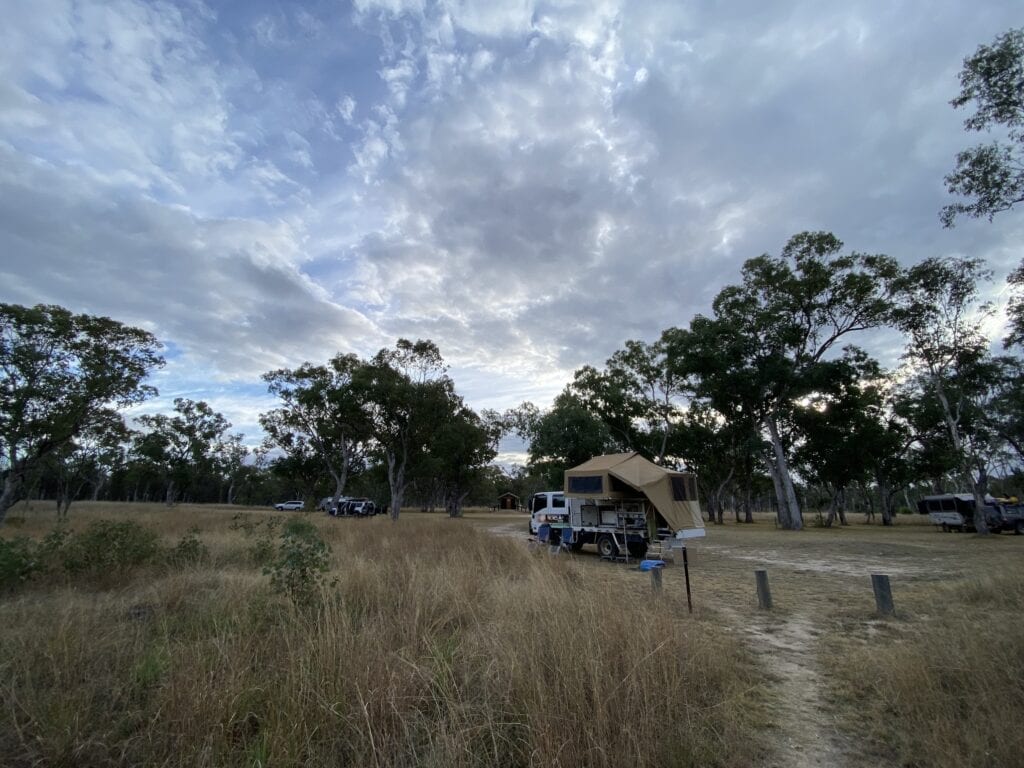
pixel 624 476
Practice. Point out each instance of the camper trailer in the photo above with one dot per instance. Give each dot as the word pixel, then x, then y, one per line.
pixel 955 512
pixel 621 503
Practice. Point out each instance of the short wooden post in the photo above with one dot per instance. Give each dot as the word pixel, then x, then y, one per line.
pixel 656 580
pixel 883 594
pixel 764 594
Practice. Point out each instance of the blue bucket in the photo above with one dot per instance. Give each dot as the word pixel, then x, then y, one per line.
pixel 650 565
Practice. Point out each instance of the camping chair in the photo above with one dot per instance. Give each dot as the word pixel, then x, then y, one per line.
pixel 541 538
pixel 565 543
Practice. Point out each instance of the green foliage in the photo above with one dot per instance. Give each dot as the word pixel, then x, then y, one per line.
pixel 108 545
pixel 19 562
pixel 191 444
pixel 190 550
pixel 261 532
pixel 567 435
pixel 301 562
pixel 321 420
pixel 60 373
pixel 991 175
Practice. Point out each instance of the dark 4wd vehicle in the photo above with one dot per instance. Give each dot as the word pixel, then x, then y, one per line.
pixel 1010 517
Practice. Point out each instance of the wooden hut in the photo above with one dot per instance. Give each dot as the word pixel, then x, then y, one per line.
pixel 508 501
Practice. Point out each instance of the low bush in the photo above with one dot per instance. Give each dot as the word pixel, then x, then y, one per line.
pixel 189 551
pixel 109 545
pixel 19 561
pixel 302 560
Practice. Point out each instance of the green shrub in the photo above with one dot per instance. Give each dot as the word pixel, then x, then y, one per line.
pixel 108 545
pixel 189 551
pixel 19 561
pixel 301 562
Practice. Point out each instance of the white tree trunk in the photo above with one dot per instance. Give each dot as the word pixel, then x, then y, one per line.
pixel 789 507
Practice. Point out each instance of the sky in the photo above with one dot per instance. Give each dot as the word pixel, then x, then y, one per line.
pixel 528 184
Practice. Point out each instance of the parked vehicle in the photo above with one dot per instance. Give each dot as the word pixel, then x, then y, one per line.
pixel 955 512
pixel 355 507
pixel 335 509
pixel 295 504
pixel 363 508
pixel 620 503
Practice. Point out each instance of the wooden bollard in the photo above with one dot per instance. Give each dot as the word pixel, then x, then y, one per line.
pixel 656 580
pixel 764 594
pixel 883 594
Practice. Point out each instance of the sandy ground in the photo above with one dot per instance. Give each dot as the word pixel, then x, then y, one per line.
pixel 820 582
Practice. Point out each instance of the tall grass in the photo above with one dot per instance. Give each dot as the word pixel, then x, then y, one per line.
pixel 945 688
pixel 438 645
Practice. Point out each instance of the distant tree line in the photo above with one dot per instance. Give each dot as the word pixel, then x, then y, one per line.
pixel 391 427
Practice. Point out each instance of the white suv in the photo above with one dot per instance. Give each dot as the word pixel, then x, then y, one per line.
pixel 289 505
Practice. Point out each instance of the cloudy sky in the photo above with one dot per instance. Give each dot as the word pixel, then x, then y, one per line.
pixel 529 184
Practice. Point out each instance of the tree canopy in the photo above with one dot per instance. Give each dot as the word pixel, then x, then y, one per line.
pixel 60 373
pixel 991 175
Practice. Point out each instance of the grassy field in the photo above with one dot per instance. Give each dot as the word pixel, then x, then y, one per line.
pixel 440 642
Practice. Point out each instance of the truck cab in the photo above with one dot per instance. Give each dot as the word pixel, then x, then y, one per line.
pixel 547 507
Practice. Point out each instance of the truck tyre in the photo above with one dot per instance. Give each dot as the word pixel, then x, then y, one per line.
pixel 606 546
pixel 576 546
pixel 945 527
pixel 1019 529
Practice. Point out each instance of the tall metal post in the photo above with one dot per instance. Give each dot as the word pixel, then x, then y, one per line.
pixel 686 573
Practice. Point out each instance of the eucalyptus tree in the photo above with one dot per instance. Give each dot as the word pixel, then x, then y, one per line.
pixel 638 395
pixel 769 334
pixel 849 436
pixel 182 447
pixel 721 451
pixel 940 311
pixel 404 394
pixel 566 435
pixel 229 459
pixel 59 373
pixel 321 412
pixel 459 450
pixel 89 459
pixel 991 175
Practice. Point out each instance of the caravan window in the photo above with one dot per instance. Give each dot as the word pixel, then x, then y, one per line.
pixel 586 484
pixel 684 488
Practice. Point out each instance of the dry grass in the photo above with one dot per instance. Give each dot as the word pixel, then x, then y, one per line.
pixel 440 645
pixel 943 684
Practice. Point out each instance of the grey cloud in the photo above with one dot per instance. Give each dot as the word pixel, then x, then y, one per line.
pixel 224 291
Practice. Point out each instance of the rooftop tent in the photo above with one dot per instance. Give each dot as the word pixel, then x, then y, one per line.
pixel 620 476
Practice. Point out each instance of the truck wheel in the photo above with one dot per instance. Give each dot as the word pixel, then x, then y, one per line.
pixel 945 528
pixel 606 546
pixel 1020 528
pixel 576 546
